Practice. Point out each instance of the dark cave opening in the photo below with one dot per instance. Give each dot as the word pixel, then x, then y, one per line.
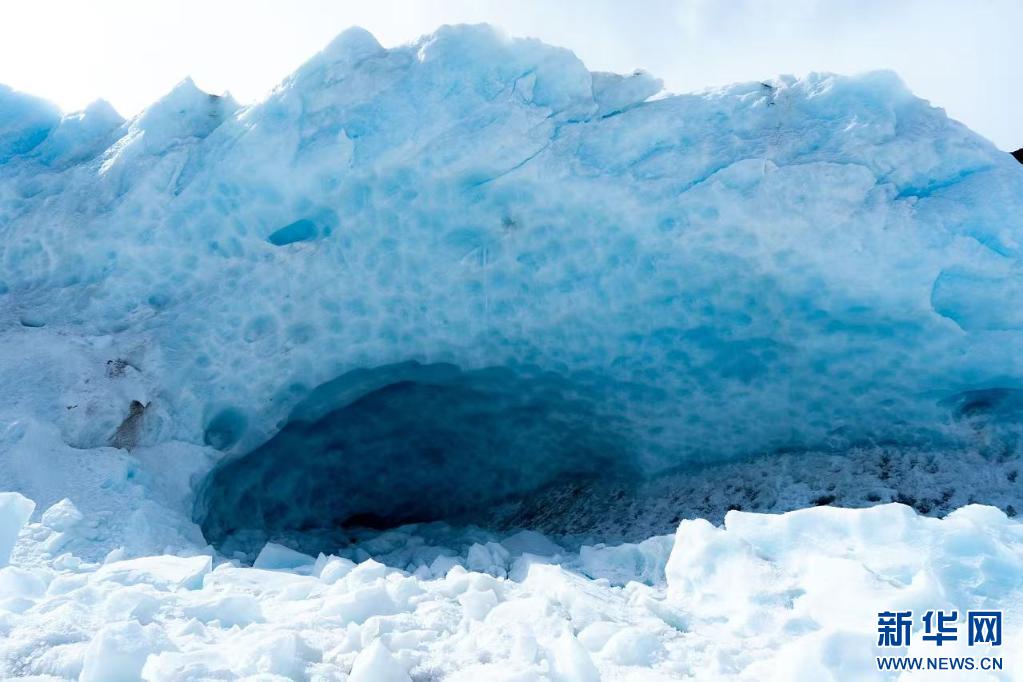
pixel 504 449
pixel 409 443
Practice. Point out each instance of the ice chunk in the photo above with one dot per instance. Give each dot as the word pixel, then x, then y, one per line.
pixel 286 654
pixel 163 572
pixel 632 646
pixel 368 572
pixel 360 604
pixel 571 662
pixel 595 635
pixel 282 585
pixel 476 604
pixel 643 562
pixel 137 602
pixel 521 566
pixel 335 568
pixel 490 558
pixel 20 588
pixel 19 582
pixel 118 652
pixel 274 556
pixel 15 511
pixel 443 564
pixel 62 517
pixel 376 664
pixel 229 610
pixel 531 542
pixel 196 665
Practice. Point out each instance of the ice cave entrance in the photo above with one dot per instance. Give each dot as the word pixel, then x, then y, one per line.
pixel 407 443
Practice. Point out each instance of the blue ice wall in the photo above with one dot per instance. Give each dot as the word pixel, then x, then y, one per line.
pixel 810 262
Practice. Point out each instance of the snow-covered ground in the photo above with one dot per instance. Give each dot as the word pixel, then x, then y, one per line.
pixel 459 361
pixel 763 597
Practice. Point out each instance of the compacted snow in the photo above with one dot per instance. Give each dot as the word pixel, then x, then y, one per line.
pixel 789 597
pixel 374 378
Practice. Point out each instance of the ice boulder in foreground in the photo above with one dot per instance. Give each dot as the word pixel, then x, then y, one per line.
pixel 764 597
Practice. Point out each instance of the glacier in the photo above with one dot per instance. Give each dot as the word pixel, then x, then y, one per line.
pixel 414 367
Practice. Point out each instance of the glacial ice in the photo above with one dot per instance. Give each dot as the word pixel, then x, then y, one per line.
pixel 800 264
pixel 436 344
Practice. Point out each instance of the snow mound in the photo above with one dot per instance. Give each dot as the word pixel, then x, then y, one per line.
pixel 763 597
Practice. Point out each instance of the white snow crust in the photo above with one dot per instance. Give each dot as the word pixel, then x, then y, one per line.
pixel 763 597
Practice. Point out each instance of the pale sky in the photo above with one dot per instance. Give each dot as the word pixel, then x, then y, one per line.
pixel 962 55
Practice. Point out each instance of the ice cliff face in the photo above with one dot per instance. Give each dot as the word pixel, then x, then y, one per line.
pixel 468 280
pixel 553 267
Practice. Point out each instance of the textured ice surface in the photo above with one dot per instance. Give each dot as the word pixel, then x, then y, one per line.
pixel 798 264
pixel 467 279
pixel 783 597
pixel 794 263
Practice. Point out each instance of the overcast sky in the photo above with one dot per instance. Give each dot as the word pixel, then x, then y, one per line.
pixel 963 55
